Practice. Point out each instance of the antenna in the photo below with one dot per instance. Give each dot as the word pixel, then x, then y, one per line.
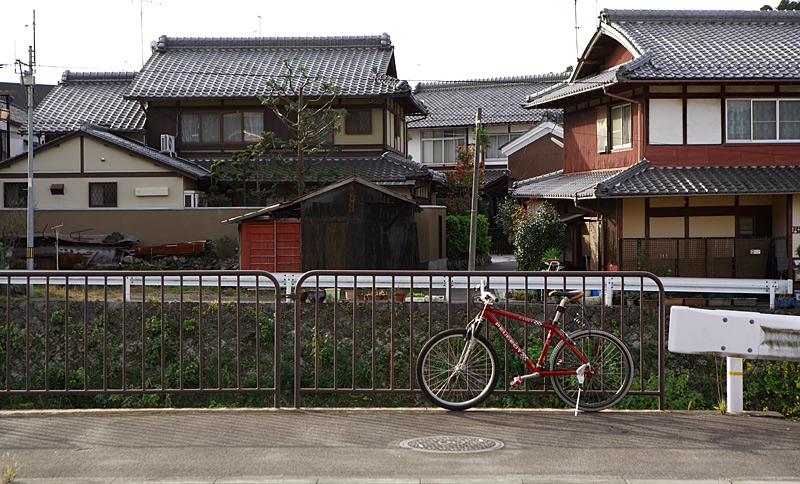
pixel 577 52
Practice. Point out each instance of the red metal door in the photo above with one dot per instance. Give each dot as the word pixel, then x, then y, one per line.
pixel 271 245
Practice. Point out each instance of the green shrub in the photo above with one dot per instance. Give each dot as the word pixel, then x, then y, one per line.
pixel 458 236
pixel 772 385
pixel 535 235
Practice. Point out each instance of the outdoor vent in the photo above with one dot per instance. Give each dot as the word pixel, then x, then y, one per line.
pixel 168 144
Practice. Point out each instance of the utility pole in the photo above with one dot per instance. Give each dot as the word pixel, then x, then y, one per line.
pixel 476 167
pixel 28 81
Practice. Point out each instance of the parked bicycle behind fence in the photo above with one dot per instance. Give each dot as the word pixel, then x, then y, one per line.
pixel 589 369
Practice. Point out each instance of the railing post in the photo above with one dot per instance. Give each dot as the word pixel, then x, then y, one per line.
pixel 734 381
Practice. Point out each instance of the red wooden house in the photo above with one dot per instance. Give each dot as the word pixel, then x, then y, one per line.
pixel 681 144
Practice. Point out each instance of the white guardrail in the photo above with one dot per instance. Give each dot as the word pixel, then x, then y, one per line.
pixel 607 285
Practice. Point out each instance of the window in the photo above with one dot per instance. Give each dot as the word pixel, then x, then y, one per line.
pixel 602 129
pixel 439 145
pixel 497 141
pixel 621 126
pixel 15 195
pixel 191 198
pixel 763 120
pixel 358 121
pixel 230 127
pixel 103 194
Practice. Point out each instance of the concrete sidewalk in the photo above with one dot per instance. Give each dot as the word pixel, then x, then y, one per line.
pixel 398 446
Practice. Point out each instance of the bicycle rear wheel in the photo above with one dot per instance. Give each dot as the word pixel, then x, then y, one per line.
pixel 457 388
pixel 612 364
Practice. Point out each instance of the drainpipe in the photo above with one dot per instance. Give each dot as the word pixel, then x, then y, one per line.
pixel 640 144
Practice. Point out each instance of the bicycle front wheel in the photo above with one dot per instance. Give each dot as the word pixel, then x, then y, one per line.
pixel 609 358
pixel 454 377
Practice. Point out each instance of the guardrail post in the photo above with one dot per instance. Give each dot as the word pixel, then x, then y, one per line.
pixel 126 285
pixel 734 380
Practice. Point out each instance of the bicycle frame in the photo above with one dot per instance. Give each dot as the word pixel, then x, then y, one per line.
pixel 538 368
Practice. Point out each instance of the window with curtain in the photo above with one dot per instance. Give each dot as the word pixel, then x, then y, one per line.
pixel 228 127
pixel 621 126
pixel 602 129
pixel 762 120
pixel 497 141
pixel 439 146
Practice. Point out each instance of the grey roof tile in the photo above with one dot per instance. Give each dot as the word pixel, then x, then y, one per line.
pixel 19 99
pixel 643 180
pixel 386 169
pixel 694 45
pixel 89 98
pixel 716 180
pixel 559 185
pixel 219 68
pixel 711 44
pixel 454 103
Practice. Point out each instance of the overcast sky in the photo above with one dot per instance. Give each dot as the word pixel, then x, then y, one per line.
pixel 433 40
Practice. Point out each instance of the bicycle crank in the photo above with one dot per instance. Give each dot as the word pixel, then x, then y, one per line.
pixel 517 380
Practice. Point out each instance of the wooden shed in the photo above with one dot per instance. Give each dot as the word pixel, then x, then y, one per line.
pixel 350 224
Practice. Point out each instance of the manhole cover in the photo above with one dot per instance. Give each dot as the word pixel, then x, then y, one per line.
pixel 452 444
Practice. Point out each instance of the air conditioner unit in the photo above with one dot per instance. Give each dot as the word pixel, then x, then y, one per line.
pixel 168 144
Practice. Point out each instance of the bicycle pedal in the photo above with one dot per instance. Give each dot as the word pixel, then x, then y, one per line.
pixel 516 382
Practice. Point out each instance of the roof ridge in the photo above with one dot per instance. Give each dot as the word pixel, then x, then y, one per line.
pixel 165 43
pixel 613 15
pixel 104 76
pixel 493 81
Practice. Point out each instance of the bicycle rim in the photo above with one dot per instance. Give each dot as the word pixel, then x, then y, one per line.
pixel 611 361
pixel 451 388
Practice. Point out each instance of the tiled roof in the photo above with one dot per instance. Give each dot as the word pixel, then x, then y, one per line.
pixel 644 180
pixel 454 103
pixel 89 98
pixel 19 99
pixel 567 89
pixel 559 185
pixel 721 44
pixel 685 45
pixel 226 68
pixel 387 169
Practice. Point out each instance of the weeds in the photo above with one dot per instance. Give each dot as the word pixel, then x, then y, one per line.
pixel 10 468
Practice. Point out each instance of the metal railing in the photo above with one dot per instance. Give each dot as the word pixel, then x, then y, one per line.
pixel 355 338
pixel 358 332
pixel 139 333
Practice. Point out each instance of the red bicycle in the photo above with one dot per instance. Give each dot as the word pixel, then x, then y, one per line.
pixel 589 369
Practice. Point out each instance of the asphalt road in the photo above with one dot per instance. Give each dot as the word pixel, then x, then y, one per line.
pixel 369 445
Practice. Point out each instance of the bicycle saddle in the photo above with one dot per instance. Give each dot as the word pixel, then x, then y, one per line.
pixel 570 294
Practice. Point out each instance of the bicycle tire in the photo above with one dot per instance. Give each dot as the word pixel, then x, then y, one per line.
pixel 463 389
pixel 613 366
